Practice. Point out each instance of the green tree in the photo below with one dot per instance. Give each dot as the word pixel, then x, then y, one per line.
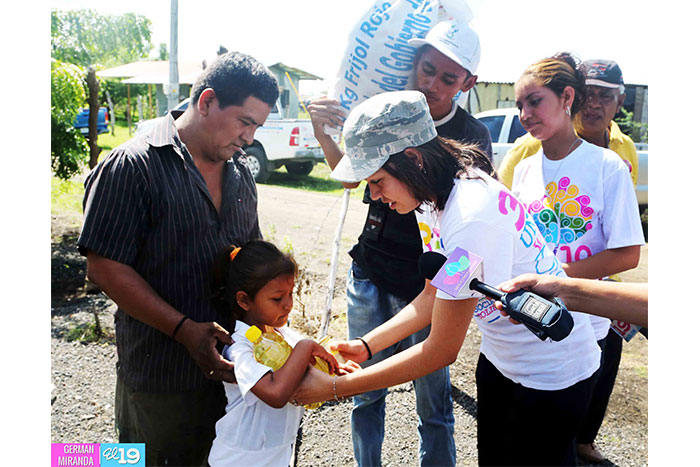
pixel 69 149
pixel 163 53
pixel 638 131
pixel 86 37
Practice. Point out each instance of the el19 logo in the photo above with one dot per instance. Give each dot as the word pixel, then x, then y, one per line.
pixel 626 330
pixel 123 454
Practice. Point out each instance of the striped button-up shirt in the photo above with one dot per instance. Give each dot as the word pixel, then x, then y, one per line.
pixel 147 206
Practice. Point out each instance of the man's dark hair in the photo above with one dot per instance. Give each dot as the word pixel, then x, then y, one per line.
pixel 234 77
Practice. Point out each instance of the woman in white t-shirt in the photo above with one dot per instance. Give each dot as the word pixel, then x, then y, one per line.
pixel 531 393
pixel 580 196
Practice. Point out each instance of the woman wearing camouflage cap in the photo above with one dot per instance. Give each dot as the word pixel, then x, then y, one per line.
pixel 531 394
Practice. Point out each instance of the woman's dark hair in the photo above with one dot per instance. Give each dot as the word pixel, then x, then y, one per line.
pixel 257 263
pixel 558 72
pixel 444 160
pixel 234 77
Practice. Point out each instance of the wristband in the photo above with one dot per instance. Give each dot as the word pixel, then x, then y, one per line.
pixel 177 328
pixel 369 352
pixel 335 394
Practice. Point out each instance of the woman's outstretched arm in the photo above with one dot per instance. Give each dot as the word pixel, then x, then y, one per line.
pixel 450 320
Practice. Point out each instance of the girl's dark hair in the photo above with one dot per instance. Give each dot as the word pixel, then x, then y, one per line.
pixel 558 72
pixel 444 160
pixel 257 263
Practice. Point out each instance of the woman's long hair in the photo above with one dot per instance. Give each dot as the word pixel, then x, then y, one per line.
pixel 444 160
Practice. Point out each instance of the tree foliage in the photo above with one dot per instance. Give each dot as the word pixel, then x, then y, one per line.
pixel 69 149
pixel 81 39
pixel 638 131
pixel 86 37
pixel 163 53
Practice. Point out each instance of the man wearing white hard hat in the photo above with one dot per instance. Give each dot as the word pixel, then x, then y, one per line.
pixel 446 64
pixel 384 274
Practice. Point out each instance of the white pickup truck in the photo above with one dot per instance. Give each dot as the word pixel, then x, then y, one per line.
pixel 504 126
pixel 280 141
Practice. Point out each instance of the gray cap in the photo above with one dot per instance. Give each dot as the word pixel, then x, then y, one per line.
pixel 383 125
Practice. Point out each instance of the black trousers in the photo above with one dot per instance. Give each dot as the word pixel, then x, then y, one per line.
pixel 177 428
pixel 612 352
pixel 519 426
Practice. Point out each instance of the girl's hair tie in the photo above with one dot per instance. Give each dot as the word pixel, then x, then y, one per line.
pixel 234 252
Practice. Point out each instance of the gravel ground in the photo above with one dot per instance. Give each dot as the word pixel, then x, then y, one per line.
pixel 83 374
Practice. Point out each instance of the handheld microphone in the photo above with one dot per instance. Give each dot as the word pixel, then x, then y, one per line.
pixel 542 317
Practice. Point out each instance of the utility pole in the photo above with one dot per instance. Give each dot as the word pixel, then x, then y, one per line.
pixel 174 84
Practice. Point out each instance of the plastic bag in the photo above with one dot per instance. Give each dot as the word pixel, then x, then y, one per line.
pixel 378 57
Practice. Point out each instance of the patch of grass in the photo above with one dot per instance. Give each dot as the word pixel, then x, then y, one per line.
pixel 269 233
pixel 66 196
pixel 318 180
pixel 87 332
pixel 612 440
pixel 642 371
pixel 288 247
pixel 107 141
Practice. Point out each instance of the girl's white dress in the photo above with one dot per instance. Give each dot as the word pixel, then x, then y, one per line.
pixel 252 432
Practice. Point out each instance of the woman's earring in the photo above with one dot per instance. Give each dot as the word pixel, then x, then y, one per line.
pixel 568 111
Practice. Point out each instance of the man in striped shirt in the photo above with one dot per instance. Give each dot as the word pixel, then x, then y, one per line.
pixel 157 211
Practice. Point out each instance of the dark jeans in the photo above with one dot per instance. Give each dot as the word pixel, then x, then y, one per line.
pixel 177 428
pixel 368 307
pixel 522 426
pixel 612 351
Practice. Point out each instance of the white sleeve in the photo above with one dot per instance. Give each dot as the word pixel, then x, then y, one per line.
pixel 247 370
pixel 291 336
pixel 621 223
pixel 487 240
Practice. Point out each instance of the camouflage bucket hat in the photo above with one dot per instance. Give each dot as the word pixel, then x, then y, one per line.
pixel 382 125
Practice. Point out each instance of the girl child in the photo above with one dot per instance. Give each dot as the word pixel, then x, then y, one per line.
pixel 581 198
pixel 531 394
pixel 255 285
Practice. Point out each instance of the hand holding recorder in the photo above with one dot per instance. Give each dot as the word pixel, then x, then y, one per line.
pixel 543 317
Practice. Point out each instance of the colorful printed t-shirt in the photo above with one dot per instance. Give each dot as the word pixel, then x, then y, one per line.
pixel 483 217
pixel 527 146
pixel 252 432
pixel 582 204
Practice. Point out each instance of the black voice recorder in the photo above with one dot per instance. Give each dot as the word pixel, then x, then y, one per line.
pixel 543 317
